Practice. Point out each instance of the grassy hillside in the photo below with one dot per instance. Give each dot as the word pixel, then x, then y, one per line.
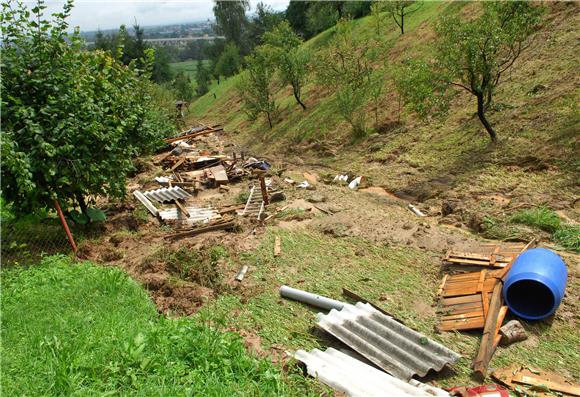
pixel 84 330
pixel 189 68
pixel 535 115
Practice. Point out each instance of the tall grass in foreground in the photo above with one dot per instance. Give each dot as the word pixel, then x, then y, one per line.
pixel 82 330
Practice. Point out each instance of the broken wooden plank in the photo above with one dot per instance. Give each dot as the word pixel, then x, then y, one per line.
pixel 277 246
pixel 486 347
pixel 182 208
pixel 206 131
pixel 178 164
pixel 500 318
pixel 195 232
pixel 537 381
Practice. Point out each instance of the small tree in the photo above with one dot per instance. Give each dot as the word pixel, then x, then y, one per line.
pixel 472 55
pixel 345 67
pixel 256 88
pixel 229 61
pixel 202 78
pixel 72 119
pixel 183 87
pixel 290 59
pixel 400 9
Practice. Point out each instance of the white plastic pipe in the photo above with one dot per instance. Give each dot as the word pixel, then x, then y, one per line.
pixel 310 298
pixel 416 210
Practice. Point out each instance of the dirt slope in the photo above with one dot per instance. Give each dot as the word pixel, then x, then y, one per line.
pixel 444 159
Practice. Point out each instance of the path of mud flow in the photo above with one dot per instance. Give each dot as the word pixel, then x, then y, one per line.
pixel 309 203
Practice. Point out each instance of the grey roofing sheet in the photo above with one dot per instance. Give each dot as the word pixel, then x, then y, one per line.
pixel 196 215
pixel 357 379
pixel 167 194
pixel 390 345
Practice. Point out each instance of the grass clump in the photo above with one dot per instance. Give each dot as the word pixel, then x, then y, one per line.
pixel 541 217
pixel 189 265
pixel 83 330
pixel 568 236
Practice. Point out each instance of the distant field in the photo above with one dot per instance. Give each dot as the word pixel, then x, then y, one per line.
pixel 187 67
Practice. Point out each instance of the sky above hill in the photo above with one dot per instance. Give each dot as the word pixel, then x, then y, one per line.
pixel 107 14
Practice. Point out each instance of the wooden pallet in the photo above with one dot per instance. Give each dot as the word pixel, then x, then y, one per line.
pixel 465 297
pixel 465 300
pixel 491 256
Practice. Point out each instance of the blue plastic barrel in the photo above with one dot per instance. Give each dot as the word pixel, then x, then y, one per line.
pixel 535 285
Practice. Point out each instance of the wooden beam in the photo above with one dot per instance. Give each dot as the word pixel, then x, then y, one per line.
pixel 182 209
pixel 537 381
pixel 486 347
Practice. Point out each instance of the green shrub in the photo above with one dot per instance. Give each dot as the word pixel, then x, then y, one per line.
pixel 568 236
pixel 541 217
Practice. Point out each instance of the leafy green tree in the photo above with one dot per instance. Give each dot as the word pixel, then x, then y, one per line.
pixel 322 15
pixel 473 55
pixel 72 119
pixel 346 67
pixel 133 48
pixel 264 19
pixel 202 79
pixel 401 9
pixel 296 15
pixel 161 72
pixel 256 87
pixel 232 22
pixel 229 61
pixel 183 87
pixel 290 59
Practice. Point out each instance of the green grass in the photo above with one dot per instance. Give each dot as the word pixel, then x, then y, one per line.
pixel 403 280
pixel 568 236
pixel 541 217
pixel 189 68
pixel 76 329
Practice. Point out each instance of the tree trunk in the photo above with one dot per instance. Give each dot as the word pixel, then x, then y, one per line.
pixel 299 101
pixel 82 203
pixel 481 115
pixel 402 22
pixel 269 119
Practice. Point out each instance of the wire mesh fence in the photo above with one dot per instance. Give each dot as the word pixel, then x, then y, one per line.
pixel 25 241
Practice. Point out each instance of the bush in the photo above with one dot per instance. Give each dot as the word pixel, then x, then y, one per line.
pixel 541 217
pixel 72 119
pixel 568 236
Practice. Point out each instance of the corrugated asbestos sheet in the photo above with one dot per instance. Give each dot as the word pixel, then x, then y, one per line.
pixel 390 345
pixel 167 194
pixel 357 379
pixel 196 215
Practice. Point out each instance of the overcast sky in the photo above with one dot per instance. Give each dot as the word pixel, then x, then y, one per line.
pixel 106 14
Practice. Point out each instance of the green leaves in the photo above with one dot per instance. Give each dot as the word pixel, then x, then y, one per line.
pixel 72 119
